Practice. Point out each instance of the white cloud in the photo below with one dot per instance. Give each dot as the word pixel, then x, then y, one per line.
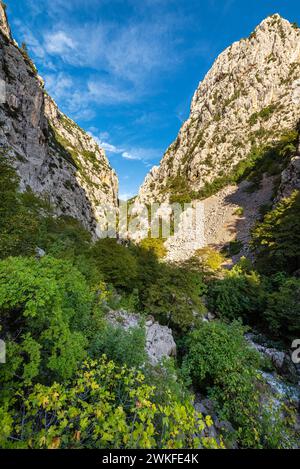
pixel 130 153
pixel 108 93
pixel 59 43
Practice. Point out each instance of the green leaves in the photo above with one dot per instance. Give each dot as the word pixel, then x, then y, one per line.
pixel 277 239
pixel 46 308
pixel 103 406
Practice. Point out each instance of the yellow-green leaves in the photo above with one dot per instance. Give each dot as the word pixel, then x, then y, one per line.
pixel 104 406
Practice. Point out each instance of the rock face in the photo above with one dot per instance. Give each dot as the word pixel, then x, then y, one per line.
pixel 4 22
pixel 249 98
pixel 159 339
pixel 53 156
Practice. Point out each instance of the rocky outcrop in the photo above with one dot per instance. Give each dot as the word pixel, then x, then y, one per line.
pixel 248 98
pixel 53 156
pixel 281 359
pixel 160 343
pixel 4 26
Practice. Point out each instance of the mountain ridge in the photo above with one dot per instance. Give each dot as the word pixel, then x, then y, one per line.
pixel 53 156
pixel 244 101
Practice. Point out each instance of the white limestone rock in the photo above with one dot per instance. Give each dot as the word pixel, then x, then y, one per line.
pixel 160 343
pixel 52 155
pixel 246 99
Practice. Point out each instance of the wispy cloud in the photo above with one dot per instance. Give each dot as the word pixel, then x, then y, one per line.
pixel 59 43
pixel 127 152
pixel 123 60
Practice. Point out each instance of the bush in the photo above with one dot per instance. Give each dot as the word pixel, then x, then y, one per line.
pixel 174 297
pixel 121 346
pixel 276 240
pixel 156 245
pixel 208 259
pixel 282 313
pixel 220 363
pixel 116 262
pixel 104 406
pixel 240 294
pixel 47 312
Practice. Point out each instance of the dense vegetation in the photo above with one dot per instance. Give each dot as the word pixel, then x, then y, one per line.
pixel 72 379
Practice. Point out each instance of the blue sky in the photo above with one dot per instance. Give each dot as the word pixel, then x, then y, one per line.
pixel 126 70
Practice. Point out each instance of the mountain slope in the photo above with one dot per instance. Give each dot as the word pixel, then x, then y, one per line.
pixel 52 155
pixel 249 98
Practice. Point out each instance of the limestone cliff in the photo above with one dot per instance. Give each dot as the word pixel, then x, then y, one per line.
pixel 53 156
pixel 249 98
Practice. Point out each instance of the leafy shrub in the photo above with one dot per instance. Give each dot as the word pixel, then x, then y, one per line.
pixel 175 296
pixel 233 248
pixel 282 313
pixel 104 406
pixel 240 294
pixel 276 240
pixel 209 259
pixel 219 363
pixel 116 262
pixel 155 244
pixel 46 311
pixel 121 346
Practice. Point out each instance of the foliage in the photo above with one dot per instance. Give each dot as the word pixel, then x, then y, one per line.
pixel 19 215
pixel 219 362
pixel 155 244
pixel 121 346
pixel 240 294
pixel 104 406
pixel 46 312
pixel 277 239
pixel 233 248
pixel 263 115
pixel 282 314
pixel 175 296
pixel 209 259
pixel 116 262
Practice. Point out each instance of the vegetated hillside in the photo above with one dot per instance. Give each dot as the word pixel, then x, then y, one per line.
pixel 248 99
pixel 88 383
pixel 53 156
pixel 77 376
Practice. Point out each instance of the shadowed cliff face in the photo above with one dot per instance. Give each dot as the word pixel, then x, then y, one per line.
pixel 52 155
pixel 249 98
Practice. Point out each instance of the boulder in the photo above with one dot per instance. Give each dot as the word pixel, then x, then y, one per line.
pixel 159 339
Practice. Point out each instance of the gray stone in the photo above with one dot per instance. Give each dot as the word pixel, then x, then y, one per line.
pixel 160 343
pixel 40 141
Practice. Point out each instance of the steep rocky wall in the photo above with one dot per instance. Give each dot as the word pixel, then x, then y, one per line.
pixel 52 155
pixel 250 97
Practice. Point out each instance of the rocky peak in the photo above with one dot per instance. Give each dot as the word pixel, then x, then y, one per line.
pixel 4 26
pixel 249 98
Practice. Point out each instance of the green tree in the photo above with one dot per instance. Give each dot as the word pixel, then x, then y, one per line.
pixel 116 262
pixel 175 297
pixel 282 314
pixel 276 240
